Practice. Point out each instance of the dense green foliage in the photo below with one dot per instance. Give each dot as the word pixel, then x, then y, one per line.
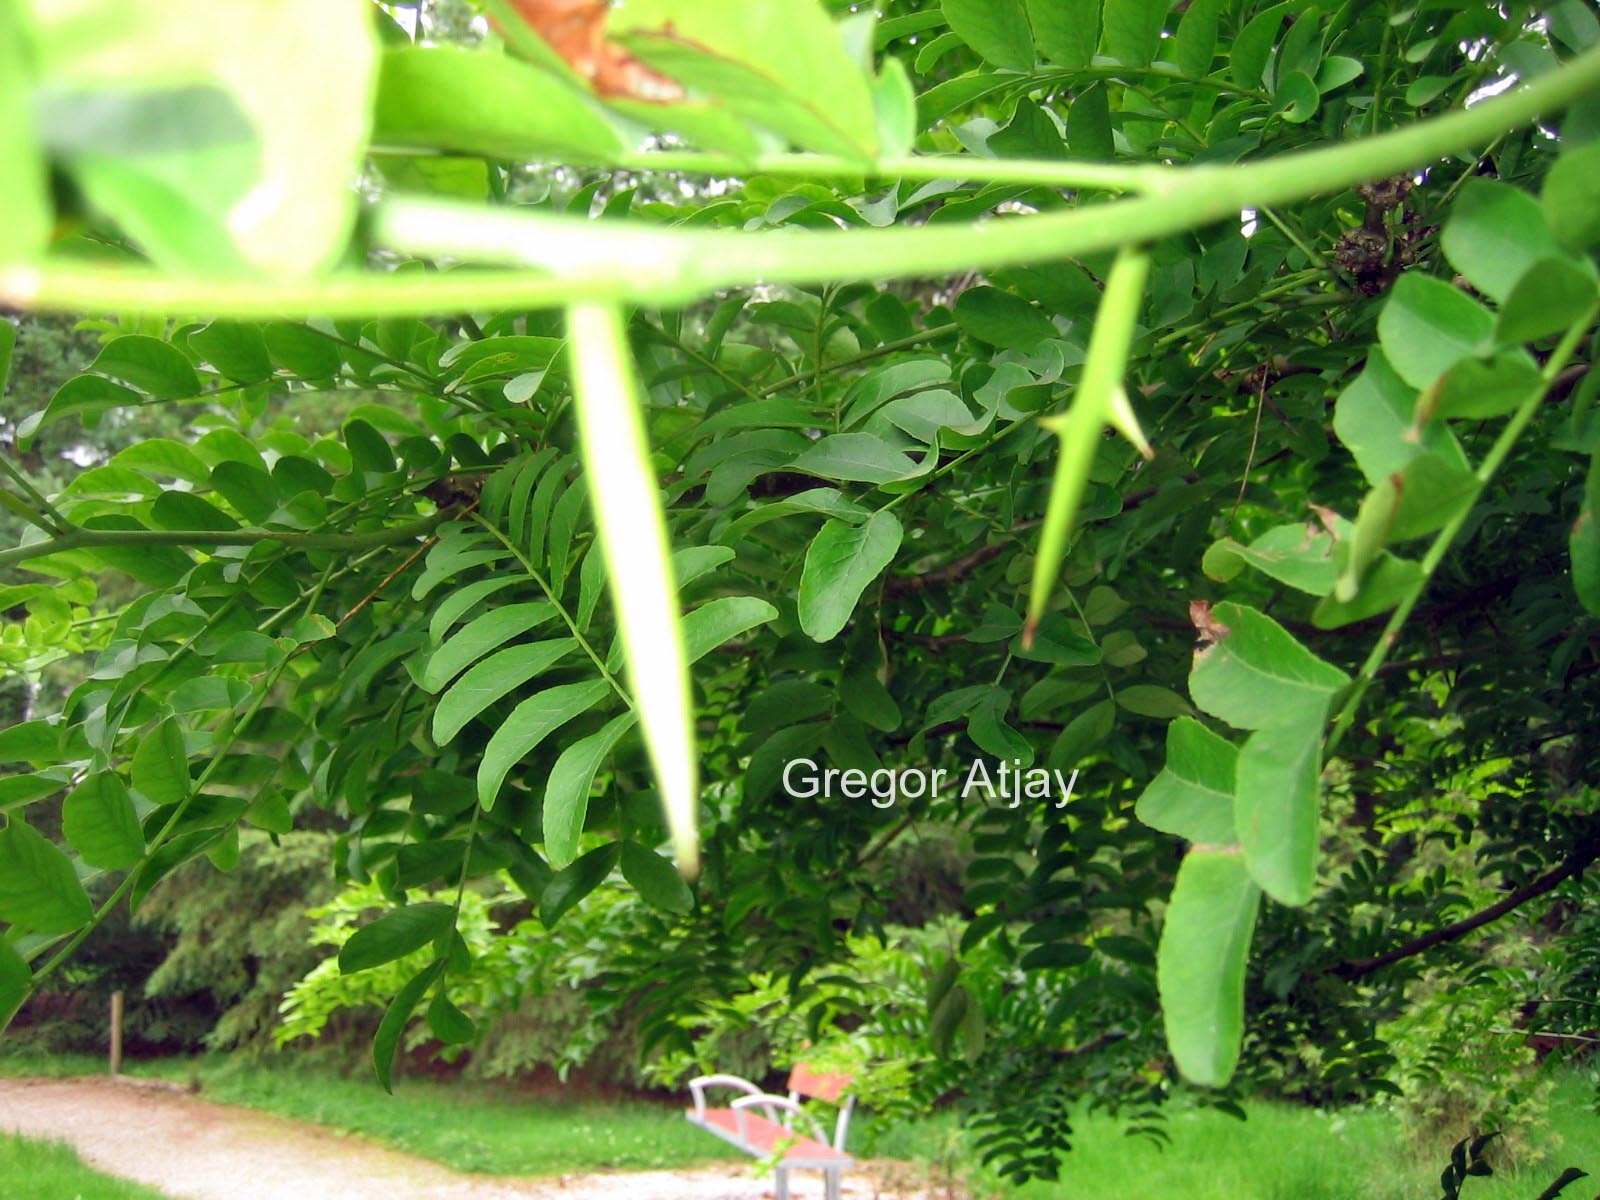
pixel 988 356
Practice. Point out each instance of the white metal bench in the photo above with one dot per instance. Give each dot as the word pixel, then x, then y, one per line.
pixel 759 1123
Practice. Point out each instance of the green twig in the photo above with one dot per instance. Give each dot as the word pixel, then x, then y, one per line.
pixel 577 260
pixel 1446 537
pixel 88 539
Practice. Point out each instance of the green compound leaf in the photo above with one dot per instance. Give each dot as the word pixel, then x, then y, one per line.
pixel 842 561
pixel 1200 965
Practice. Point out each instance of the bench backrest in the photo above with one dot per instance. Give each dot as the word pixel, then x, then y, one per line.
pixel 820 1085
pixel 830 1088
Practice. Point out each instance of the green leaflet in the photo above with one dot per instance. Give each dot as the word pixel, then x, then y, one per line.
pixel 783 67
pixel 477 103
pixel 160 768
pixel 1001 319
pixel 15 980
pixel 712 624
pixel 232 158
pixel 1257 674
pixel 842 561
pixel 654 877
pixel 492 679
pixel 857 458
pixel 1200 965
pixel 998 30
pixel 1067 31
pixel 395 1017
pixel 99 822
pixel 39 890
pixel 1300 555
pixel 1568 197
pixel 1193 796
pixel 1276 810
pixel 399 932
pixel 481 635
pixel 571 885
pixel 1133 29
pixel 566 790
pixel 529 724
pixel 26 231
pixel 1494 234
pixel 448 1023
pixel 1427 326
pixel 149 364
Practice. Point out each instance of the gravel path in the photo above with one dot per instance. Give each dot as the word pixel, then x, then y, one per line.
pixel 194 1150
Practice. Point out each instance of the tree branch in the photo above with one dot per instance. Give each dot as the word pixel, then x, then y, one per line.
pixel 89 539
pixel 1574 865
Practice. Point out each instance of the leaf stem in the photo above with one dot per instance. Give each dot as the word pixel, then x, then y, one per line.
pixel 578 260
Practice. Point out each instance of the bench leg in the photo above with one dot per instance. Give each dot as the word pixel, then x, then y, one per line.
pixel 831 1182
pixel 780 1184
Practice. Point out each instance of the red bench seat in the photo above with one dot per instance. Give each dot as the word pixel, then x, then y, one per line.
pixel 762 1137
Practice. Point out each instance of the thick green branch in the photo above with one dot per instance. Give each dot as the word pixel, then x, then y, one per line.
pixel 88 539
pixel 581 260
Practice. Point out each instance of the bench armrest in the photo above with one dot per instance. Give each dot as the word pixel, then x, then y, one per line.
pixel 698 1086
pixel 772 1104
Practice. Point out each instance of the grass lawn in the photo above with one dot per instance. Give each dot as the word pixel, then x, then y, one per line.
pixel 52 1172
pixel 1281 1153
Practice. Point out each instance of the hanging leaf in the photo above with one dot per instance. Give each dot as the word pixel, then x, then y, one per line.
pixel 1258 675
pixel 39 890
pixel 529 724
pixel 1276 810
pixel 395 1017
pixel 397 933
pixel 655 879
pixel 566 791
pixel 1200 965
pixel 491 680
pixel 99 821
pixel 1192 796
pixel 842 561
